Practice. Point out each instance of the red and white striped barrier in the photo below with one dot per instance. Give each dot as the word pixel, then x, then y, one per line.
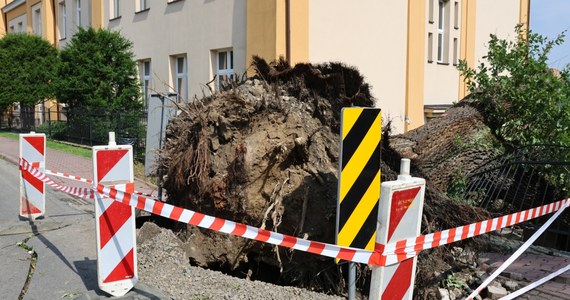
pixel 86 193
pixel 383 254
pixel 399 217
pixel 115 222
pixel 32 190
pixel 68 176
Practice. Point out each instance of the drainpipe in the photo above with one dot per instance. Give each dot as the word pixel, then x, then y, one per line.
pixel 55 39
pixel 288 30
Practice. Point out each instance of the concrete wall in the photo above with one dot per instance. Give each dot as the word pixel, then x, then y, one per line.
pixel 370 35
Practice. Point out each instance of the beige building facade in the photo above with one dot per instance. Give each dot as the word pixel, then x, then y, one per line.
pixel 407 50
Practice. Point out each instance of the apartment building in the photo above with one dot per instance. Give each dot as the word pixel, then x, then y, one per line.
pixel 407 50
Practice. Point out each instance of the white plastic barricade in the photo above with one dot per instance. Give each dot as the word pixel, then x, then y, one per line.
pixel 399 217
pixel 32 190
pixel 115 221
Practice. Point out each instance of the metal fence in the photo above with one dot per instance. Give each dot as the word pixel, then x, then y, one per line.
pixel 528 177
pixel 82 126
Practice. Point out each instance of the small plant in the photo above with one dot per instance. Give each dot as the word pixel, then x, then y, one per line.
pixel 452 282
pixel 457 186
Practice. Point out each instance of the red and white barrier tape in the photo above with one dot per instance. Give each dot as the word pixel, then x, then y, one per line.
pixel 86 193
pixel 68 176
pixel 518 253
pixel 89 181
pixel 404 249
pixel 382 256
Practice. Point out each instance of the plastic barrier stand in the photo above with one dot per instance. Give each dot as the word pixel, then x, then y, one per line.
pixel 32 190
pixel 400 214
pixel 115 221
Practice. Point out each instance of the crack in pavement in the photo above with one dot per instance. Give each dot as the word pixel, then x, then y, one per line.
pixel 33 262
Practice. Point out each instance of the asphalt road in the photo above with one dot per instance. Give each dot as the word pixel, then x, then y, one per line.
pixel 64 241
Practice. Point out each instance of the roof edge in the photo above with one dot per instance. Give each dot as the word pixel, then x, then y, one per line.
pixel 10 6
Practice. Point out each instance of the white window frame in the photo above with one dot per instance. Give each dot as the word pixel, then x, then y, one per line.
pixel 228 71
pixel 146 81
pixel 142 5
pixel 78 12
pixel 440 31
pixel 115 9
pixel 62 20
pixel 181 78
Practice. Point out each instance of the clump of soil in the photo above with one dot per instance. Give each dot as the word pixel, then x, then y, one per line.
pixel 264 152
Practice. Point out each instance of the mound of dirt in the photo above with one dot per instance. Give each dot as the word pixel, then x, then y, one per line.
pixel 264 152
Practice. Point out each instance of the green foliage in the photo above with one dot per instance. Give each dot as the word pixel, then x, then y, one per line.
pixel 524 101
pixel 53 130
pixel 28 67
pixel 452 282
pixel 457 186
pixel 98 70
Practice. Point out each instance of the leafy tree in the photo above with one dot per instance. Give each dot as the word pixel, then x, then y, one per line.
pixel 525 102
pixel 98 70
pixel 28 67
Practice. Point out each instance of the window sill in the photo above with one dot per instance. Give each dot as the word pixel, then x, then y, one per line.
pixel 115 18
pixel 173 1
pixel 63 39
pixel 442 63
pixel 430 61
pixel 430 21
pixel 142 11
pixel 455 27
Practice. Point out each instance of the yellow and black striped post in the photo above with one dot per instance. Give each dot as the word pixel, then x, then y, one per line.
pixel 359 180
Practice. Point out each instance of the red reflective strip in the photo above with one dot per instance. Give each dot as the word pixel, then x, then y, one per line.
pixel 400 250
pixel 141 202
pixel 419 243
pixel 499 223
pixel 124 270
pixel 36 164
pixel 29 208
pixel 157 207
pixel 106 160
pixel 126 199
pixel 465 232
pixel 218 224
pixel 489 226
pixel 31 179
pixel 262 235
pixel 400 282
pixel 240 229
pixel 112 220
pixel 37 142
pixel 346 254
pixel 113 193
pixel 175 213
pixel 478 228
pixel 316 247
pixel 289 241
pixel 196 218
pixel 509 220
pixel 451 235
pixel 436 239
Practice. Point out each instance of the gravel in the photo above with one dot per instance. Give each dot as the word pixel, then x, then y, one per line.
pixel 163 264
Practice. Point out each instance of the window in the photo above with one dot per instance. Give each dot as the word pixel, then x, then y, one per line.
pixel 442 31
pixel 20 27
pixel 115 13
pixel 430 47
pixel 146 78
pixel 181 78
pixel 11 29
pixel 456 15
pixel 62 20
pixel 225 67
pixel 430 11
pixel 37 20
pixel 78 12
pixel 142 5
pixel 455 49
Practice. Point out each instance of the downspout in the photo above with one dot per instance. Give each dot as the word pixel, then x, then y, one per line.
pixel 55 39
pixel 288 30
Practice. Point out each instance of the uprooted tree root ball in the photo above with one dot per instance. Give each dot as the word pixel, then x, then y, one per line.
pixel 264 152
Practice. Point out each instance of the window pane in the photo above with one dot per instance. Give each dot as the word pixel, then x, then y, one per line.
pixel 231 59
pixel 222 59
pixel 147 68
pixel 439 47
pixel 440 17
pixel 180 65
